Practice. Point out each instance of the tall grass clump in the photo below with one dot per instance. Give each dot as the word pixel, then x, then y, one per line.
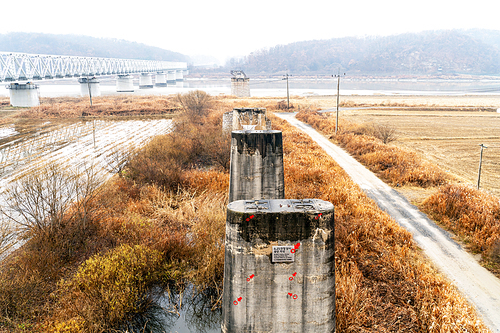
pixel 368 144
pixel 383 284
pixel 473 214
pixel 109 289
pixel 120 105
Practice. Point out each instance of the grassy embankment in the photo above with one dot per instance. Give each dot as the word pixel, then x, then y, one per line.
pixel 473 215
pixel 156 226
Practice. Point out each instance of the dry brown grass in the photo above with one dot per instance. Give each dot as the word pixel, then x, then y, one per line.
pixel 472 214
pixel 383 284
pixel 120 105
pixel 397 165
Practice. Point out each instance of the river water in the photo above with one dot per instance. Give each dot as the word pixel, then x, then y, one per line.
pixel 298 86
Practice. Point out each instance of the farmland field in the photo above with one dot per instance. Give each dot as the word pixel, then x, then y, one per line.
pixel 446 131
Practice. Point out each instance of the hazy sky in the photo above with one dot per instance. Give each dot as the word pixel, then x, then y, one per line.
pixel 224 28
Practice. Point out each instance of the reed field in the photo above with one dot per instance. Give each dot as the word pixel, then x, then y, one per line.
pixel 160 222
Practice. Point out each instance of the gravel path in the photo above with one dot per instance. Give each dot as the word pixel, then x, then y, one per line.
pixel 480 286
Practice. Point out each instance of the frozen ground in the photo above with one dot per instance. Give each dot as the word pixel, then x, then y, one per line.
pixel 75 146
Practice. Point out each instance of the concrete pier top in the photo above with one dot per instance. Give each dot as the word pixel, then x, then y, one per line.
pixel 280 219
pixel 281 206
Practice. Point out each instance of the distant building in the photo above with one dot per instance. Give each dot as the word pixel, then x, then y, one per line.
pixel 240 84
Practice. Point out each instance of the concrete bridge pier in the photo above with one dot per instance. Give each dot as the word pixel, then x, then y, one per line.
pixel 24 94
pixel 161 80
pixel 124 83
pixel 89 86
pixel 145 81
pixel 279 269
pixel 179 75
pixel 171 77
pixel 256 170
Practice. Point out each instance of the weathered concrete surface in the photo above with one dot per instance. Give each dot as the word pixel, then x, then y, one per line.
pixel 480 286
pixel 256 165
pixel 265 296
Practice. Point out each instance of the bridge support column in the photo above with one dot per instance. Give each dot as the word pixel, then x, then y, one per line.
pixel 279 268
pixel 24 94
pixel 161 80
pixel 89 86
pixel 256 165
pixel 145 81
pixel 171 77
pixel 124 83
pixel 179 75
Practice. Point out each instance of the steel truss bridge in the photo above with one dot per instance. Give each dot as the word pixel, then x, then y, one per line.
pixel 26 67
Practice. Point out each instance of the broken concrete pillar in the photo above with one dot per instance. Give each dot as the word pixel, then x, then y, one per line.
pixel 279 269
pixel 256 170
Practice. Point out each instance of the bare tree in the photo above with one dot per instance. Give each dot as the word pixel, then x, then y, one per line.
pixel 195 105
pixel 43 199
pixel 7 237
pixel 385 133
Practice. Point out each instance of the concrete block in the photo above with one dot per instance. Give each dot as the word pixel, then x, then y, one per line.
pixel 295 292
pixel 256 165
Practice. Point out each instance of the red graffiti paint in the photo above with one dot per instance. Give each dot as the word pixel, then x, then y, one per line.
pixel 295 248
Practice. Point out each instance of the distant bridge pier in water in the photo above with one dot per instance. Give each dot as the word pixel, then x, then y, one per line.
pixel 125 83
pixel 89 86
pixel 179 75
pixel 145 81
pixel 24 94
pixel 171 80
pixel 161 79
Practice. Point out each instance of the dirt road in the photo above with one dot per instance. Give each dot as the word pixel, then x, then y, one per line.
pixel 479 286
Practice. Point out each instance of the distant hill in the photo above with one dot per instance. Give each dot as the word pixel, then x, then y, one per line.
pixel 77 45
pixel 432 52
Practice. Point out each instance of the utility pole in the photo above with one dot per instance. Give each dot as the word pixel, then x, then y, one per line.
pixel 480 164
pixel 287 91
pixel 90 93
pixel 338 97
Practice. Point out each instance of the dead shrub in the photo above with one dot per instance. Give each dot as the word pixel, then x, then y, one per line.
pixel 109 289
pixel 195 105
pixel 385 133
pixel 470 213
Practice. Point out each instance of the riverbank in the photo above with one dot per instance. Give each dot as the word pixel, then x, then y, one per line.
pixel 173 217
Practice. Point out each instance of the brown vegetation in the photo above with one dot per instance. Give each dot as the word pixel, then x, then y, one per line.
pixel 365 143
pixel 176 225
pixel 472 214
pixel 120 105
pixel 382 282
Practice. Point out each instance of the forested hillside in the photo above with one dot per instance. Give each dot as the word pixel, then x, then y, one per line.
pixel 433 52
pixel 76 45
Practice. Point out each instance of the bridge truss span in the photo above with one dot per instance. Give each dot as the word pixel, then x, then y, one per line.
pixel 26 67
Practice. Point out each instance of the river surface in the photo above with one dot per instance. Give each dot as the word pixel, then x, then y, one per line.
pixel 271 87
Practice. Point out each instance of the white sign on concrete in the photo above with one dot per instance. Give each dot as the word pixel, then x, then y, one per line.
pixel 283 254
